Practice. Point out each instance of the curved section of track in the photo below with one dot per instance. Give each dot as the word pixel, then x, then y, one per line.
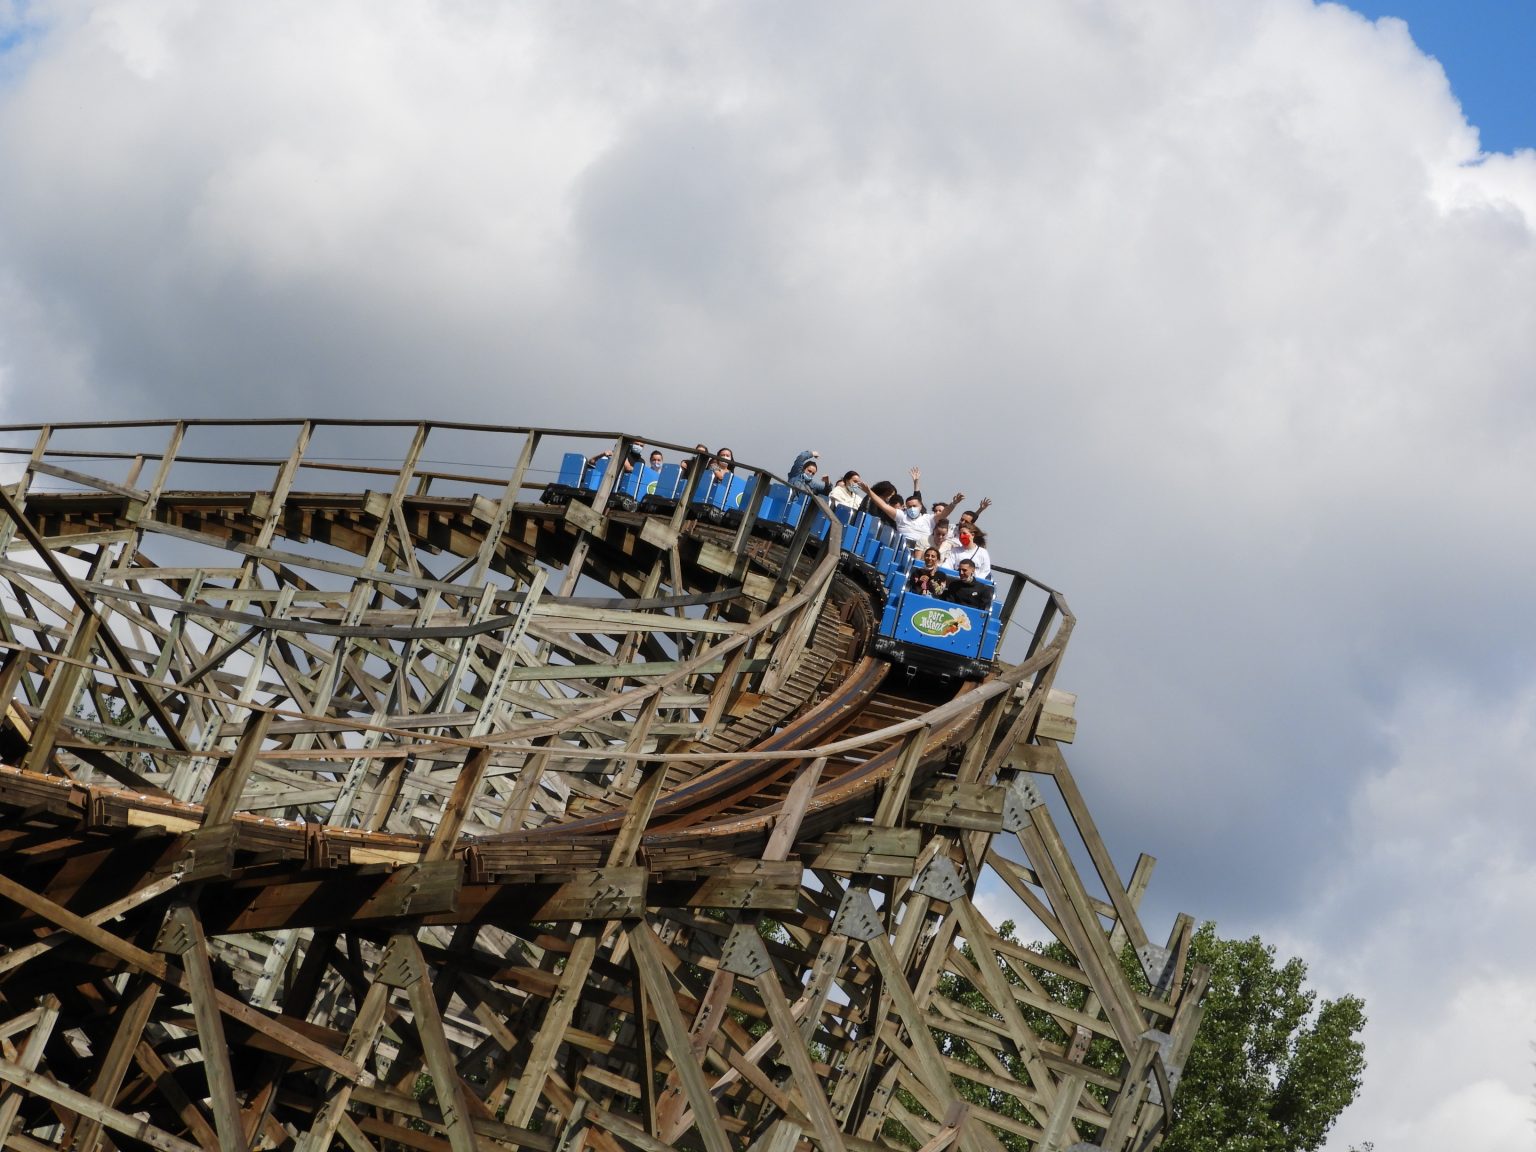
pixel 338 622
pixel 350 795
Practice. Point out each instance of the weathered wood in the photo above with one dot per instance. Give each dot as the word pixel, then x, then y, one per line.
pixel 867 849
pixel 31 1056
pixel 83 1105
pixel 552 1031
pixel 607 836
pixel 183 935
pixel 950 804
pixel 654 975
pixel 132 1017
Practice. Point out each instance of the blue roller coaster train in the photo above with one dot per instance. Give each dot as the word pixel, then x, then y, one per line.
pixel 924 636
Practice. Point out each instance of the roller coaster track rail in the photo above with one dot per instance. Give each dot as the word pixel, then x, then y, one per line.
pixel 350 795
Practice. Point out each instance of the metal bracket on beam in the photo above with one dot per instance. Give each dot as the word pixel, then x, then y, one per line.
pixel 856 916
pixel 400 968
pixel 941 879
pixel 744 953
pixel 175 936
pixel 1165 1049
pixel 1022 795
pixel 1156 965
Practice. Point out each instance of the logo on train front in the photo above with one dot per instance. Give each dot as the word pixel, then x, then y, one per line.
pixel 940 621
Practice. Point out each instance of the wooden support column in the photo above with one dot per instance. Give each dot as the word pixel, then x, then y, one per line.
pixel 360 1041
pixel 222 798
pixel 31 1056
pixel 132 1016
pixel 183 936
pixel 63 686
pixel 407 968
pixel 446 837
pixel 557 1018
pixel 111 1118
pixel 653 973
pixel 293 1041
pixel 995 987
pixel 653 776
pixel 793 1046
pixel 931 1065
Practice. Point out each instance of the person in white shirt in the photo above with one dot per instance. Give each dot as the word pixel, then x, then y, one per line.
pixel 847 492
pixel 916 522
pixel 972 546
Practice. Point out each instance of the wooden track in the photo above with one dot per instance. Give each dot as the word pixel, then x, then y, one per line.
pixel 350 795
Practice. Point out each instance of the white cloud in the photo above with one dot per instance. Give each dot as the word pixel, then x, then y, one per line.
pixel 1221 303
pixel 1432 918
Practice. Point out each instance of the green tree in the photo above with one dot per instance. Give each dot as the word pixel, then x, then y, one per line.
pixel 1266 1073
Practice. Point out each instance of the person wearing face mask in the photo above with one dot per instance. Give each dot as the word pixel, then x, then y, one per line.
pixel 721 467
pixel 847 492
pixel 916 522
pixel 802 474
pixel 972 546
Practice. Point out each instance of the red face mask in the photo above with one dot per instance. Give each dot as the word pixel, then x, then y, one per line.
pixel 965 538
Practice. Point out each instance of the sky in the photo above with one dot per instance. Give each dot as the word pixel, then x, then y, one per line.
pixel 1226 306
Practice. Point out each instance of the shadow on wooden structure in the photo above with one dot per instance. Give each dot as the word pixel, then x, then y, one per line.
pixel 352 795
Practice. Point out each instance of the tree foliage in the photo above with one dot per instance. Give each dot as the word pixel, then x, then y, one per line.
pixel 1267 1073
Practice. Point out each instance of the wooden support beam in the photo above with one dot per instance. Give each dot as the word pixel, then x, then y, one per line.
pixel 546 1044
pixel 653 973
pixel 222 798
pixel 183 936
pixel 31 1056
pixel 132 1016
pixel 790 1043
pixel 407 968
pixel 80 1103
pixel 365 1032
pixel 297 1043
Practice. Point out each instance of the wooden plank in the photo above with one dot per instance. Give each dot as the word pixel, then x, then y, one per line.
pixel 183 934
pixel 20 956
pixel 862 848
pixel 790 1043
pixel 222 797
pixel 83 1105
pixel 454 812
pixel 164 1080
pixel 585 517
pixel 557 1018
pixel 31 1055
pixel 995 987
pixel 295 1042
pixel 653 973
pixel 365 1032
pixel 446 1085
pixel 893 798
pixel 951 804
pixel 132 1016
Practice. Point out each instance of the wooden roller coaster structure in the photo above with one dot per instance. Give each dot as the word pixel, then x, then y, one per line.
pixel 350 795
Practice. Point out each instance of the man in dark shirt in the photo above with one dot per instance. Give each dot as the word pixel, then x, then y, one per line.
pixel 967 590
